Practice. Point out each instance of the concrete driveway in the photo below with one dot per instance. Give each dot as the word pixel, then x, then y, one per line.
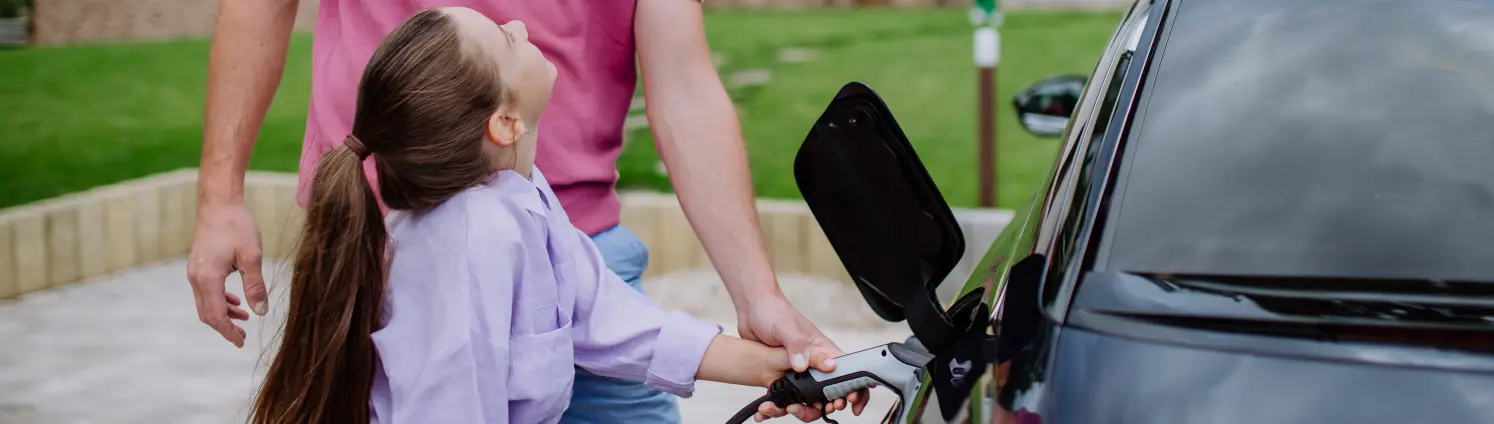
pixel 127 348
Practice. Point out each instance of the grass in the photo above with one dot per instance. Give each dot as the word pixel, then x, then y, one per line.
pixel 81 116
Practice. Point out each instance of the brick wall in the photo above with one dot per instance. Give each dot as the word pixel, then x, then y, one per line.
pixel 80 21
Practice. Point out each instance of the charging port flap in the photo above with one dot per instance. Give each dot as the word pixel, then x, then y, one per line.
pixel 879 208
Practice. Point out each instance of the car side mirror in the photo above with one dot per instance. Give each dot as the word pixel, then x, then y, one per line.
pixel 1044 107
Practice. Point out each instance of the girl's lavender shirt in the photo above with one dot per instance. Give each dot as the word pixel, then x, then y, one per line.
pixel 494 296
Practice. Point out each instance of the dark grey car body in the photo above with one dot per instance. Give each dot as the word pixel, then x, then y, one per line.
pixel 1264 211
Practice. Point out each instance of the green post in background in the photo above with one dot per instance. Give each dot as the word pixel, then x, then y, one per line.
pixel 986 17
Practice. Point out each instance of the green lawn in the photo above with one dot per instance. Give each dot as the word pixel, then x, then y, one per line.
pixel 77 117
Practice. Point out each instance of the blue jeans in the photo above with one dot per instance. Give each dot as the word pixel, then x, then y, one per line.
pixel 597 399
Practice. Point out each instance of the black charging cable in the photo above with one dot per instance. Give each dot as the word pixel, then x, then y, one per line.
pixel 794 388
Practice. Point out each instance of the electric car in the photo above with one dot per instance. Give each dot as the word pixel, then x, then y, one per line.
pixel 1263 211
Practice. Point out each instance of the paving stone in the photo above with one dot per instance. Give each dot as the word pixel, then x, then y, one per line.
pixel 13 413
pixel 120 222
pixel 8 268
pixel 147 224
pixel 270 214
pixel 679 248
pixel 633 122
pixel 63 244
pixel 29 236
pixel 797 54
pixel 176 232
pixel 783 226
pixel 748 77
pixel 93 240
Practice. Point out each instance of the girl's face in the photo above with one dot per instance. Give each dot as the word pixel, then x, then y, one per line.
pixel 526 74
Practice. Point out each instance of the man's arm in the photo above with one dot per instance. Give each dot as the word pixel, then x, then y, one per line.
pixel 245 63
pixel 700 140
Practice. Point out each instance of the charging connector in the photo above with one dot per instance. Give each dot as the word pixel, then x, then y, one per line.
pixel 894 365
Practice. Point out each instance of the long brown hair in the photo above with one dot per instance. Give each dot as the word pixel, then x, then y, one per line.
pixel 423 103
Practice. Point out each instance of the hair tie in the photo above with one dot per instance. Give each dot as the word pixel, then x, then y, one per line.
pixel 356 146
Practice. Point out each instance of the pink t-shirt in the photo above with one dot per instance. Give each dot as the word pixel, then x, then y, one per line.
pixel 589 41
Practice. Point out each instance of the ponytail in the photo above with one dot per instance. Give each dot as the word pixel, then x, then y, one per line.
pixel 324 368
pixel 423 101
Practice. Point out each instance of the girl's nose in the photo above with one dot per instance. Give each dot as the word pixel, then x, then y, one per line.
pixel 517 29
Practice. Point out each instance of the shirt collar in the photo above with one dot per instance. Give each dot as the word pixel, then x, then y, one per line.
pixel 522 190
pixel 540 183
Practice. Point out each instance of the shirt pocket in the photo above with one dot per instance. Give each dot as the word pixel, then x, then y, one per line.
pixel 537 306
pixel 541 371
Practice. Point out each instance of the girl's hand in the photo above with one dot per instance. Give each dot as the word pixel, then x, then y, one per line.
pixel 777 368
pixel 856 400
pixel 745 362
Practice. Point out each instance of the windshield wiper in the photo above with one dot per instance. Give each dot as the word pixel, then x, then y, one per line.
pixel 1340 285
pixel 1439 325
pixel 1465 337
pixel 1453 315
pixel 1370 301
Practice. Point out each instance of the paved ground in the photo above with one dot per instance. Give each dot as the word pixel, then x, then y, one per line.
pixel 128 349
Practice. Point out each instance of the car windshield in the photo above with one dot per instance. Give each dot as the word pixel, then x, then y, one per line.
pixel 1346 138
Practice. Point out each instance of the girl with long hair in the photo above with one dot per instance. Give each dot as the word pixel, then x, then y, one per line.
pixel 475 298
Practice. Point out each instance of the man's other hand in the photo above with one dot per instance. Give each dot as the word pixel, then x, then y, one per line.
pixel 227 240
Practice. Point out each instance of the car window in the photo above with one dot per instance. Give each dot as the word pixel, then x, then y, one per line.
pixel 1073 195
pixel 1323 138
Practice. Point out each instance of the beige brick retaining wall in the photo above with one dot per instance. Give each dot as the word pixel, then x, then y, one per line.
pixel 73 21
pixel 96 232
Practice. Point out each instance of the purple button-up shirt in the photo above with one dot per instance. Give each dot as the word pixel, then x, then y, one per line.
pixel 494 296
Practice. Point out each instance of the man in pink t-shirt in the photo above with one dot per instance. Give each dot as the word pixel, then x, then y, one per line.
pixel 594 44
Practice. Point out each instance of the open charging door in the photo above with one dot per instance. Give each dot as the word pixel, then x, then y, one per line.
pixel 880 210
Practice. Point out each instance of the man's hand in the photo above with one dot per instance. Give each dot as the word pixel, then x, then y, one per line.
pixel 772 321
pixel 245 62
pixel 775 322
pixel 227 241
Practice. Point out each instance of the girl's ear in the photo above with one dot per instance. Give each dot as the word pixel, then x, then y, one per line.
pixel 504 128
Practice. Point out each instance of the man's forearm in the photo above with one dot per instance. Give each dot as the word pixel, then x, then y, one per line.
pixel 245 63
pixel 699 137
pixel 697 133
